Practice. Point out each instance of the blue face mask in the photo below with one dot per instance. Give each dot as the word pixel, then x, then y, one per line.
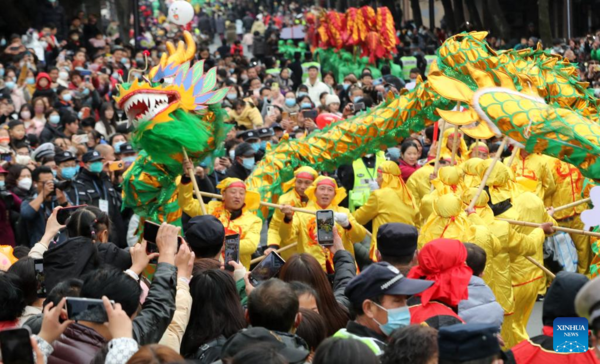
pixel 54 173
pixel 2 184
pixel 129 160
pixel 248 163
pixel 2 42
pixel 394 153
pixel 263 144
pixel 67 97
pixel 80 115
pixel 231 96
pixel 255 146
pixel 69 172
pixel 290 102
pixel 346 86
pixel 124 60
pixel 96 167
pixel 9 85
pixel 1 72
pixel 30 80
pixel 86 91
pixel 54 119
pixel 306 105
pixel 206 162
pixel 302 94
pixel 117 146
pixel 397 318
pixel 357 99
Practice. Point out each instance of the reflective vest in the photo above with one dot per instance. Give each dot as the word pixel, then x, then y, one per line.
pixel 369 341
pixel 362 176
pixel 429 58
pixel 408 63
pixel 273 71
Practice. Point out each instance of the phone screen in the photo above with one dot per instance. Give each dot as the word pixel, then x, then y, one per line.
pixel 86 309
pixel 150 233
pixel 16 346
pixel 40 277
pixel 232 250
pixel 359 106
pixel 6 157
pixel 310 114
pixel 325 226
pixel 64 213
pixel 266 269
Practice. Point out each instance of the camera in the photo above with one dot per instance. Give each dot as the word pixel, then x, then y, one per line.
pixel 62 185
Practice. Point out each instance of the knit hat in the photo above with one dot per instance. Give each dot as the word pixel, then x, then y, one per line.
pixel 331 99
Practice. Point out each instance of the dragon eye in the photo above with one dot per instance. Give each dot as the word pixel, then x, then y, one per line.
pixel 162 80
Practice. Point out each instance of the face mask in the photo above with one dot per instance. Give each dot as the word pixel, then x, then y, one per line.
pixel 346 86
pixel 290 102
pixel 67 97
pixel 263 144
pixel 244 78
pixel 139 61
pixel 4 140
pixel 2 43
pixel 2 185
pixel 302 94
pixel 30 80
pixel 129 160
pixel 25 115
pixel 25 184
pixel 115 75
pixel 357 99
pixel 231 96
pixel 86 91
pixel 117 146
pixel 124 60
pixel 397 317
pixel 10 85
pixel 54 119
pixel 231 154
pixel 69 172
pixel 63 75
pixel 248 163
pixel 394 153
pixel 255 146
pixel 96 167
pixel 306 105
pixel 54 173
pixel 1 72
pixel 23 159
pixel 80 115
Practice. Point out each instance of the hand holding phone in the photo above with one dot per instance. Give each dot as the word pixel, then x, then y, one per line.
pixel 16 346
pixel 266 269
pixel 310 114
pixel 63 215
pixel 40 277
pixel 232 250
pixel 86 309
pixel 325 226
pixel 52 327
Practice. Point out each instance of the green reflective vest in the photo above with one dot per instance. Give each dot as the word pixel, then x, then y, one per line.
pixel 362 176
pixel 369 341
pixel 408 63
pixel 429 58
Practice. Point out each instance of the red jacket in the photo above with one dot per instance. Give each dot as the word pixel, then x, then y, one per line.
pixel 406 169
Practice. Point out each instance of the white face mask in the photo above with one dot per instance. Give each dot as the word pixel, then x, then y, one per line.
pixel 23 159
pixel 63 75
pixel 25 184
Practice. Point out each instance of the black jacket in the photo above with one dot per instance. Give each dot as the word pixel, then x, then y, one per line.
pixel 357 329
pixel 90 189
pixel 158 309
pixel 345 271
pixel 71 259
pixel 238 171
pixel 49 133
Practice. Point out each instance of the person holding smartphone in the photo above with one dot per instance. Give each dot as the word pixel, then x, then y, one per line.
pixel 234 212
pixel 323 194
pixel 294 196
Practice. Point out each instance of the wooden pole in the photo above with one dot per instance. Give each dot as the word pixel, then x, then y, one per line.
pixel 546 270
pixel 256 260
pixel 512 157
pixel 195 183
pixel 558 228
pixel 436 166
pixel 488 172
pixel 476 149
pixel 274 205
pixel 454 146
pixel 572 204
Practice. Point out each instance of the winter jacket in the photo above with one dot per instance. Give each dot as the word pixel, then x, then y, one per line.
pixel 237 171
pixel 406 169
pixel 249 118
pixel 435 314
pixel 78 344
pixel 71 259
pixel 481 307
pixel 259 46
pixel 231 33
pixel 345 271
pixel 50 133
pixel 219 25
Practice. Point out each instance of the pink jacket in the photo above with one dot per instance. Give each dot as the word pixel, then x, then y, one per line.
pixel 407 169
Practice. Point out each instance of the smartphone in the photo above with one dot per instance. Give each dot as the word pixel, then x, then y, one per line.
pixel 150 233
pixel 40 277
pixel 16 346
pixel 64 213
pixel 87 78
pixel 232 250
pixel 83 138
pixel 266 269
pixel 294 117
pixel 6 157
pixel 269 110
pixel 325 226
pixel 359 106
pixel 285 115
pixel 86 309
pixel 85 73
pixel 310 114
pixel 116 166
pixel 378 81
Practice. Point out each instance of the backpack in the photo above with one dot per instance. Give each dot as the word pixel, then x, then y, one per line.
pixel 210 352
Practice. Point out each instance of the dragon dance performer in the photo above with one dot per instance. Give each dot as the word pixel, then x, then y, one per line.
pixel 234 212
pixel 419 183
pixel 295 196
pixel 324 194
pixel 462 153
pixel 533 174
pixel 392 202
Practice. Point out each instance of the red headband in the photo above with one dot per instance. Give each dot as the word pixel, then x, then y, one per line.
pixel 237 184
pixel 305 175
pixel 326 182
pixel 481 149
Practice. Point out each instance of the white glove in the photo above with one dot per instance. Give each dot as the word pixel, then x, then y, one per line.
pixel 373 185
pixel 342 219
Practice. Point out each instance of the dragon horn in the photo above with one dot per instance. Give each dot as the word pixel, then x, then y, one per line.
pixel 136 69
pixel 170 48
pixel 190 52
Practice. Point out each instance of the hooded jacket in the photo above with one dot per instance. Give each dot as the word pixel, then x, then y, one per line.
pixel 44 91
pixel 71 259
pixel 249 118
pixel 481 306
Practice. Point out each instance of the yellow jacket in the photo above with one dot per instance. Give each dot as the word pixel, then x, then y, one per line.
pixel 533 174
pixel 250 118
pixel 419 184
pixel 291 198
pixel 384 206
pixel 569 183
pixel 247 225
pixel 304 228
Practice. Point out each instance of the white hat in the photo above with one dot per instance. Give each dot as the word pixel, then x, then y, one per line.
pixel 331 99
